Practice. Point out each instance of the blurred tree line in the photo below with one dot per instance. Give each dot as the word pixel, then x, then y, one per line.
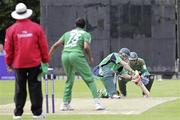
pixel 7 6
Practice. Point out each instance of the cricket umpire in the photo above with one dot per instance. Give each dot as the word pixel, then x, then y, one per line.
pixel 26 47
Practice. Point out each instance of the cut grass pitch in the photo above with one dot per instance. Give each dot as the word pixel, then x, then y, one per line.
pixel 166 111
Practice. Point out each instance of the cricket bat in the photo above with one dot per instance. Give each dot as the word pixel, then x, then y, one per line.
pixel 141 85
pixel 143 88
pixel 116 83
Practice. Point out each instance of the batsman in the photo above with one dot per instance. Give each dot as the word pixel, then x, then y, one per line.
pixel 108 68
pixel 138 64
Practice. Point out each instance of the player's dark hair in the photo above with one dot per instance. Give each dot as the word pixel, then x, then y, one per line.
pixel 80 22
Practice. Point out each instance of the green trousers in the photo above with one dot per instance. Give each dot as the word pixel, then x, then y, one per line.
pixel 76 62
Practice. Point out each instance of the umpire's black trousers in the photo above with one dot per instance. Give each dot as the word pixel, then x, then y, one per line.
pixel 24 76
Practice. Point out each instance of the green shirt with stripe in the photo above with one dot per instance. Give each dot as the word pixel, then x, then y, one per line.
pixel 74 40
pixel 112 61
pixel 140 66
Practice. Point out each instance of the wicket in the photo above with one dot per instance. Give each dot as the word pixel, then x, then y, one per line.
pixel 52 77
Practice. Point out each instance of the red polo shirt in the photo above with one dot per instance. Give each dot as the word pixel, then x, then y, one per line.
pixel 25 44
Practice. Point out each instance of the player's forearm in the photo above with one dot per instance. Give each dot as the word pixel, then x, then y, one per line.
pixel 88 53
pixel 127 67
pixel 126 76
pixel 54 47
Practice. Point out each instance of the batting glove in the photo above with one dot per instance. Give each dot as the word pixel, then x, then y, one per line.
pixel 136 77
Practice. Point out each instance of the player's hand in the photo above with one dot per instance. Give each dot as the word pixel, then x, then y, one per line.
pixel 135 74
pixel 136 80
pixel 50 58
pixel 10 68
pixel 114 72
pixel 91 60
pixel 136 77
pixel 47 64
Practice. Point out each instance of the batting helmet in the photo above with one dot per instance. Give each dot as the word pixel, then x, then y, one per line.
pixel 133 56
pixel 125 52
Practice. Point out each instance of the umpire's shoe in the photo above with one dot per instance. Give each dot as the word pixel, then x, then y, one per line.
pixel 17 117
pixel 39 117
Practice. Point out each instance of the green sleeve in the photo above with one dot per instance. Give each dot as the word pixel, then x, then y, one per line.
pixel 118 59
pixel 62 38
pixel 124 71
pixel 87 37
pixel 144 68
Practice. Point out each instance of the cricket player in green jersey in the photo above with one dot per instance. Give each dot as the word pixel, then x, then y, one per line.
pixel 76 43
pixel 137 64
pixel 110 65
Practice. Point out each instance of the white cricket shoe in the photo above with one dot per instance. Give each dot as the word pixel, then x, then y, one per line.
pixel 17 117
pixel 99 106
pixel 66 107
pixel 116 96
pixel 145 96
pixel 39 117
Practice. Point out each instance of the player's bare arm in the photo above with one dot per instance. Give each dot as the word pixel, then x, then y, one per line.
pixel 127 67
pixel 88 52
pixel 126 76
pixel 134 74
pixel 55 46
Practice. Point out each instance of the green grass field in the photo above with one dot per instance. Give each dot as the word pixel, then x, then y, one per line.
pixel 165 88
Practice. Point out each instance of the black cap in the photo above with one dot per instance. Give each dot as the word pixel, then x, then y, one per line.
pixel 80 22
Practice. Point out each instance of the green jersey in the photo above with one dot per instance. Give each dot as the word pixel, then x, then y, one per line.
pixel 139 66
pixel 74 40
pixel 112 61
